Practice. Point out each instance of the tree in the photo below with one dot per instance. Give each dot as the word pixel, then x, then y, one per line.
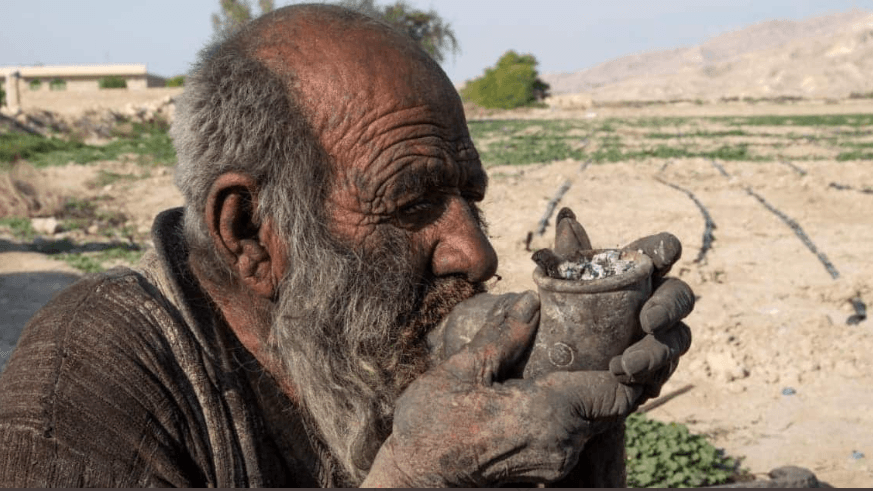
pixel 513 82
pixel 427 29
pixel 235 13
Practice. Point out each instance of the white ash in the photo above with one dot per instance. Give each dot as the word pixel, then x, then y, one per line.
pixel 601 265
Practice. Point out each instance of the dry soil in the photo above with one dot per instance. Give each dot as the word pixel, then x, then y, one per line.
pixel 778 376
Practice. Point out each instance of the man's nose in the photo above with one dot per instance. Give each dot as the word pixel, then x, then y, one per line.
pixel 462 248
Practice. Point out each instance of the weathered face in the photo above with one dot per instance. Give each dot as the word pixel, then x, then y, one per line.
pixel 402 203
pixel 405 164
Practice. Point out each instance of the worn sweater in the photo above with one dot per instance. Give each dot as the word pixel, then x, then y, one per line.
pixel 130 378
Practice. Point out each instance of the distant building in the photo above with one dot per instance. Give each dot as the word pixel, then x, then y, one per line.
pixel 72 78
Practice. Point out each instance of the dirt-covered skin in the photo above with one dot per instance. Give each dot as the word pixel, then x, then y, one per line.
pixel 768 315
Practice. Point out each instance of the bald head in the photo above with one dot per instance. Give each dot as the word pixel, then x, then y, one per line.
pixel 345 68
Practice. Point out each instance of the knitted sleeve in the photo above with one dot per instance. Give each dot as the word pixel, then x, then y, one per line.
pixel 93 397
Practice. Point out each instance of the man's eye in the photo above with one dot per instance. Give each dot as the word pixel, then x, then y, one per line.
pixel 418 207
pixel 420 212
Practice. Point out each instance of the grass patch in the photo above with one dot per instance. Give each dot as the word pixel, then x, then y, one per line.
pixel 614 153
pixel 525 142
pixel 521 142
pixel 701 134
pixel 105 178
pixel 663 455
pixel 149 142
pixel 854 155
pixel 656 122
pixel 96 262
pixel 529 150
pixel 805 120
pixel 857 145
pixel 20 227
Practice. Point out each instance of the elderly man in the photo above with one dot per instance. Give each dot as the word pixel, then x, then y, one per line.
pixel 276 337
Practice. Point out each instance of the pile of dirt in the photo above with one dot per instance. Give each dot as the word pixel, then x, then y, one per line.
pixel 92 125
pixel 25 193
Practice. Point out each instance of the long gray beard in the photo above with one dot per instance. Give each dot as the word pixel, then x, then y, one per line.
pixel 350 330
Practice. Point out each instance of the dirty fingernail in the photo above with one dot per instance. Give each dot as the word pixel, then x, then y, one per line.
pixel 615 365
pixel 566 213
pixel 525 307
pixel 635 362
pixel 655 318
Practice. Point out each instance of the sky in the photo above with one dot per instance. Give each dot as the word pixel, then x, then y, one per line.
pixel 564 35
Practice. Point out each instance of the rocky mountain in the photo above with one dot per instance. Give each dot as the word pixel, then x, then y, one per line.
pixel 822 57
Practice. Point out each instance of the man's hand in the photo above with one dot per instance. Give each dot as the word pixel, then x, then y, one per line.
pixel 463 424
pixel 652 360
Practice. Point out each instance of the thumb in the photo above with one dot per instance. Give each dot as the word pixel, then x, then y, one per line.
pixel 570 236
pixel 502 340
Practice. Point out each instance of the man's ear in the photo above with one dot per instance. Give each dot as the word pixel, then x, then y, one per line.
pixel 250 248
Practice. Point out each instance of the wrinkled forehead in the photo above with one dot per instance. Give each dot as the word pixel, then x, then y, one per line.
pixel 345 71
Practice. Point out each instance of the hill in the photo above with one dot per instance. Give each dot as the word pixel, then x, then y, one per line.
pixel 822 57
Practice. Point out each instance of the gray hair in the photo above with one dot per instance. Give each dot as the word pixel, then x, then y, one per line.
pixel 347 338
pixel 236 115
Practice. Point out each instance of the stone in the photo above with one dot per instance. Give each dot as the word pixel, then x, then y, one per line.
pixel 47 226
pixel 788 476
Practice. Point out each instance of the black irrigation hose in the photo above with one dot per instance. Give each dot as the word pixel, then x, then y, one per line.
pixel 799 232
pixel 791 224
pixel 720 168
pixel 709 224
pixel 846 187
pixel 550 207
pixel 553 203
pixel 860 311
pixel 857 303
pixel 796 168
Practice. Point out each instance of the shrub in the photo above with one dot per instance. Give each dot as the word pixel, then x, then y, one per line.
pixel 2 96
pixel 58 84
pixel 177 81
pixel 113 82
pixel 35 84
pixel 513 82
pixel 667 455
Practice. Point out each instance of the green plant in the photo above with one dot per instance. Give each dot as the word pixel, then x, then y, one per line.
pixel 88 264
pixel 807 120
pixel 95 262
pixel 699 134
pixel 177 81
pixel 58 84
pixel 112 82
pixel 19 226
pixel 854 155
pixel 512 83
pixel 35 84
pixel 77 208
pixel 236 13
pixel 149 142
pixel 105 177
pixel 668 455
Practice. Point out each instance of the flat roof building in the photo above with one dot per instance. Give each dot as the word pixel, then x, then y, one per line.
pixel 72 78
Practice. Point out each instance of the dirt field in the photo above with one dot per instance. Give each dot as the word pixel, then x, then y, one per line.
pixel 778 375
